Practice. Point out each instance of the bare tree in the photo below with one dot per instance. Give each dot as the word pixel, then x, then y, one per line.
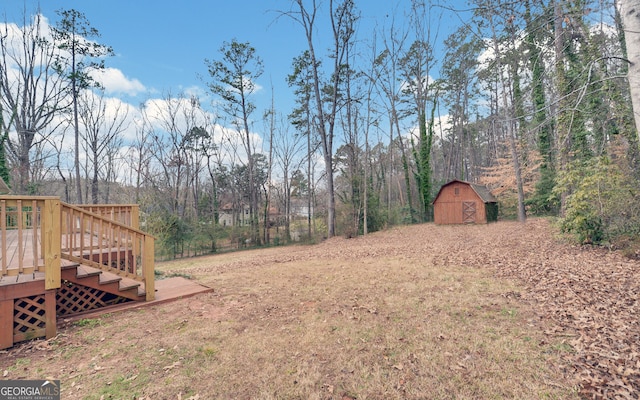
pixel 287 148
pixel 459 86
pixel 269 116
pixel 370 122
pixel 509 119
pixel 301 118
pixel 327 94
pixel 175 118
pixel 41 168
pixel 211 162
pixel 386 74
pixel 103 126
pixel 32 94
pixel 197 141
pixel 138 155
pixel 57 143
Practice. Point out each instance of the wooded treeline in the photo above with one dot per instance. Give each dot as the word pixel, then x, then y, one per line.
pixel 531 98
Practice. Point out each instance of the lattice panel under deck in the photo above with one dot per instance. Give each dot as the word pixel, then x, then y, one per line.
pixel 29 314
pixel 72 299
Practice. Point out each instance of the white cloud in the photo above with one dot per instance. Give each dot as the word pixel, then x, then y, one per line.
pixel 115 82
pixel 441 125
pixel 195 91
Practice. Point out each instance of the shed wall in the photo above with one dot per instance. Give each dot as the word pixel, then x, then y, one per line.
pixel 448 206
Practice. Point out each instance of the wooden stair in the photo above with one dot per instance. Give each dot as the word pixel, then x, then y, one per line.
pixel 86 289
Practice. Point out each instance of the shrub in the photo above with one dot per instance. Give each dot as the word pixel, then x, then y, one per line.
pixel 600 202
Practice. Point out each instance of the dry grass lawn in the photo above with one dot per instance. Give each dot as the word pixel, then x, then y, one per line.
pixel 415 312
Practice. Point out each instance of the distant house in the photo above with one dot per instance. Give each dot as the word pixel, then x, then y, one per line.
pixel 300 208
pixel 460 202
pixel 238 215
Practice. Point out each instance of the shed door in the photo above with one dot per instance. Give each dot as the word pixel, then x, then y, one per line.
pixel 468 212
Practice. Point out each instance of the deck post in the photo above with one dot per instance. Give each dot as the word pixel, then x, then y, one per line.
pixel 50 313
pixel 135 216
pixel 52 242
pixel 3 229
pixel 148 268
pixel 6 323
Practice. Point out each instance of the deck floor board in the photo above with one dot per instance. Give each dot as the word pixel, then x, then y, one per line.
pixel 13 247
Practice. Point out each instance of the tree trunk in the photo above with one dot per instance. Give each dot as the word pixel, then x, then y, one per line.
pixel 630 12
pixel 76 125
pixel 562 132
pixel 94 180
pixel 343 31
pixel 405 167
pixel 509 112
pixel 267 202
pixel 309 180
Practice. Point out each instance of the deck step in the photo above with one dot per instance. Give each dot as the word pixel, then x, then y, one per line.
pixel 68 265
pixel 105 281
pixel 88 274
pixel 130 286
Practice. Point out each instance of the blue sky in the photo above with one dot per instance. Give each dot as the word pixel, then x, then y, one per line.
pixel 161 45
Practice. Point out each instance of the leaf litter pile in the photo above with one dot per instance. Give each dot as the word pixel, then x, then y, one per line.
pixel 504 310
pixel 588 295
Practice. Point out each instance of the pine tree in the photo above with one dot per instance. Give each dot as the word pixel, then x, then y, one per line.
pixel 72 33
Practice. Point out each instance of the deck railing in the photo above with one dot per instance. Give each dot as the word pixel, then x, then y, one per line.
pixel 36 233
pixel 24 236
pixel 127 214
pixel 108 245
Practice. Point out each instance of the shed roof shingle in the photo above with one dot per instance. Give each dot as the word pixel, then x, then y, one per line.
pixel 482 191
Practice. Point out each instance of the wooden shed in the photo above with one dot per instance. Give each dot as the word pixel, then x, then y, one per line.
pixel 460 202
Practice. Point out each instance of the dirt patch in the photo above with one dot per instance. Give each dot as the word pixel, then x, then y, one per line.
pixel 498 311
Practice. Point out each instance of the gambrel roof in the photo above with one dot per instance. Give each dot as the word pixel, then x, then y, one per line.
pixel 482 191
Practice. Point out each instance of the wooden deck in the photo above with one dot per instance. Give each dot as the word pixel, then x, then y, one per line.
pixel 22 278
pixel 59 260
pixel 166 289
